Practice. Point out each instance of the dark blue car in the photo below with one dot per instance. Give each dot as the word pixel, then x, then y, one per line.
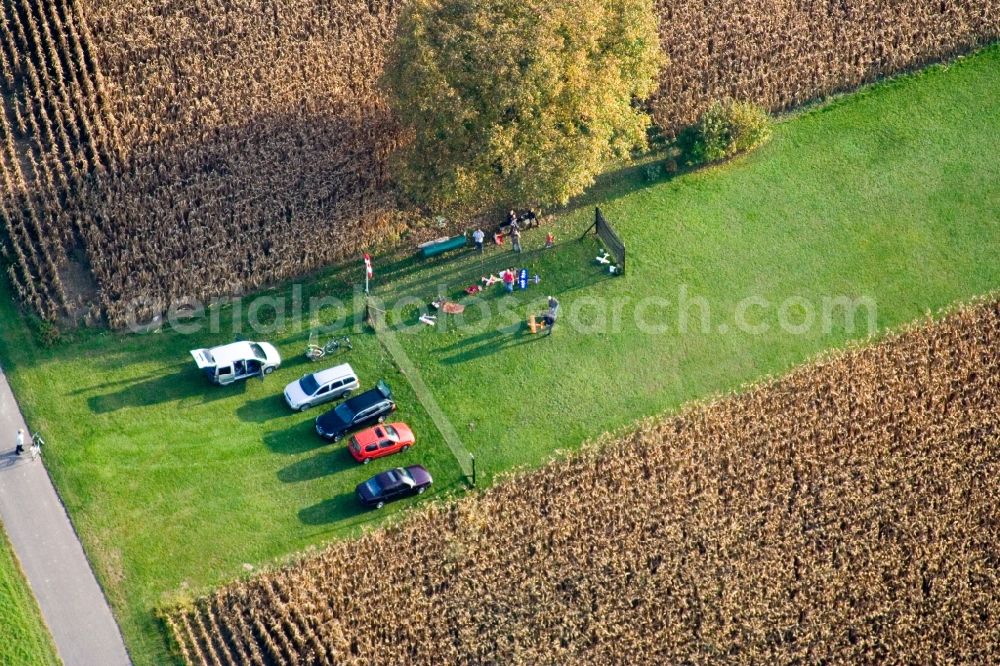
pixel 392 485
pixel 362 410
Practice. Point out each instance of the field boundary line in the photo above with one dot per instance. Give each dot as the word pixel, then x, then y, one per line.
pixel 390 342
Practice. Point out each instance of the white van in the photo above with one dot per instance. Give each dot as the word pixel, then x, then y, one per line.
pixel 322 386
pixel 239 360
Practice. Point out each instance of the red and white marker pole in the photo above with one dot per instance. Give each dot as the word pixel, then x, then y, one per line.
pixel 368 270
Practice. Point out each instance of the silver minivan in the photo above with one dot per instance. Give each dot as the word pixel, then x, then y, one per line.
pixel 322 386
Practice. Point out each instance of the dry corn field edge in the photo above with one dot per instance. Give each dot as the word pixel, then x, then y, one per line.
pixel 152 151
pixel 846 512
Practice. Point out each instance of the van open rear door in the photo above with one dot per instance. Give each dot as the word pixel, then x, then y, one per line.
pixel 204 358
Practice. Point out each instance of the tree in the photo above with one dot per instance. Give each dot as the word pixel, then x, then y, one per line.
pixel 727 128
pixel 518 101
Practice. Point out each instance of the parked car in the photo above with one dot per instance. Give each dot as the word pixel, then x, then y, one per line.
pixel 362 410
pixel 393 485
pixel 381 440
pixel 238 360
pixel 322 386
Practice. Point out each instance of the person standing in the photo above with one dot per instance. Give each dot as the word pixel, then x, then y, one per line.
pixel 36 448
pixel 508 280
pixel 550 317
pixel 515 239
pixel 477 238
pixel 19 442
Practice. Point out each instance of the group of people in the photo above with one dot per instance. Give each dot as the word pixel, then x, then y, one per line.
pixel 512 229
pixel 515 238
pixel 36 446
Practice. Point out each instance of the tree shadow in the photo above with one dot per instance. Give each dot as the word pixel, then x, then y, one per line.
pixel 318 466
pixel 624 180
pixel 295 440
pixel 187 383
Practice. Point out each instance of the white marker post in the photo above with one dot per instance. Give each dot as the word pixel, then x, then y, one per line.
pixel 368 270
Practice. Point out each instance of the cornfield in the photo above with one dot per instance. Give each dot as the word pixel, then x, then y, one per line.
pixel 245 143
pixel 783 53
pixel 845 513
pixel 154 150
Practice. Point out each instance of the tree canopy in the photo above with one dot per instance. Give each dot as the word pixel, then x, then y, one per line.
pixel 518 101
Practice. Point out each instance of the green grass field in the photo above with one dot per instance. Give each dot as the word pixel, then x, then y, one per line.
pixel 25 638
pixel 892 195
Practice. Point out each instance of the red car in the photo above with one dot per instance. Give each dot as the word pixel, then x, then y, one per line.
pixel 381 440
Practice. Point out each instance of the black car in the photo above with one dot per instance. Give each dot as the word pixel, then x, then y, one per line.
pixel 361 410
pixel 393 485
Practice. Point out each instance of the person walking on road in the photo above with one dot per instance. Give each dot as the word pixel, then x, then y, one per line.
pixel 36 447
pixel 19 442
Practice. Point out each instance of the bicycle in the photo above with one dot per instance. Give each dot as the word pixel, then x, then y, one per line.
pixel 36 446
pixel 314 352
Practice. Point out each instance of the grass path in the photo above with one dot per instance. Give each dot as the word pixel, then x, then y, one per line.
pixel 892 194
pixel 390 341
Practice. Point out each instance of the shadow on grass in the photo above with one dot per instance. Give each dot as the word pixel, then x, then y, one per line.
pixel 612 185
pixel 406 265
pixel 333 510
pixel 299 361
pixel 495 343
pixel 264 409
pixel 404 262
pixel 468 273
pixel 298 439
pixel 188 383
pixel 121 360
pixel 318 466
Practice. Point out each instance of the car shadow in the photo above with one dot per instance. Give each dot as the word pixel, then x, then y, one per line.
pixel 332 510
pixel 300 438
pixel 187 383
pixel 318 466
pixel 299 360
pixel 178 368
pixel 263 409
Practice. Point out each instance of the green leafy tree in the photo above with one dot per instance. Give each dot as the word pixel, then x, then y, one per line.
pixel 518 101
pixel 728 128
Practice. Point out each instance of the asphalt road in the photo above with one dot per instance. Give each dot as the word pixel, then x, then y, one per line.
pixel 72 603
